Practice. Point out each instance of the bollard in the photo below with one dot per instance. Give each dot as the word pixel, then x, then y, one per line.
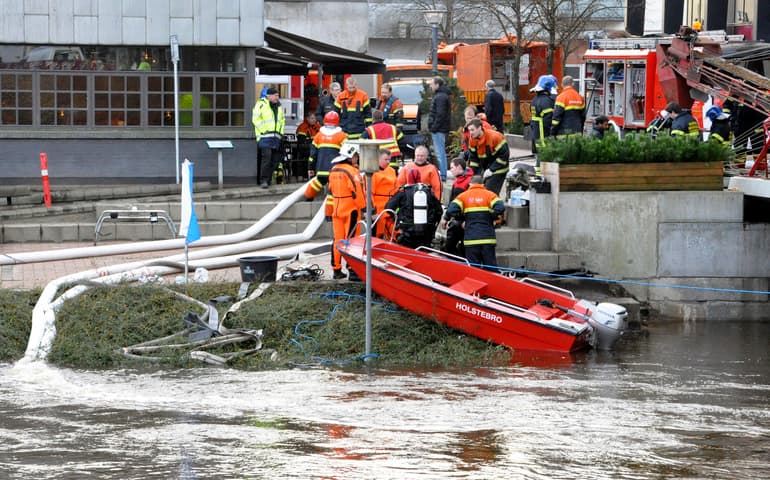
pixel 46 183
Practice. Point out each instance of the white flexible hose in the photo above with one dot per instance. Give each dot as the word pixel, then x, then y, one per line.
pixel 44 314
pixel 169 244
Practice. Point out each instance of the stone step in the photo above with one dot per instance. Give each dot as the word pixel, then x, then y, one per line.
pixel 523 239
pixel 139 231
pixel 538 261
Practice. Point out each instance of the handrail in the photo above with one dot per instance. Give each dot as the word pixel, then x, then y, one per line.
pixel 433 250
pixel 408 270
pixel 548 285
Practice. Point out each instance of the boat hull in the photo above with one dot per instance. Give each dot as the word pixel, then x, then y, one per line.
pixel 463 311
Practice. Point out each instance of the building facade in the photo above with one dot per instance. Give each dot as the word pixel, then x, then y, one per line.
pixel 92 84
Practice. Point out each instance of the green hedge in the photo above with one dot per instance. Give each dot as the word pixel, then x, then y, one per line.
pixel 632 148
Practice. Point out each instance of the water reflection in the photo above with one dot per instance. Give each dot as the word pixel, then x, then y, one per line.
pixel 684 401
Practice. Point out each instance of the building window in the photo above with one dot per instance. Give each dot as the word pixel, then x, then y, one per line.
pixel 15 99
pixel 221 101
pixel 160 101
pixel 117 100
pixel 63 99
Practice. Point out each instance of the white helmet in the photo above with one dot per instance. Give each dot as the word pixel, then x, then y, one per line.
pixel 348 150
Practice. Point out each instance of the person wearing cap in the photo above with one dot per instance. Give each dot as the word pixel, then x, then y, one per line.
pixel 541 111
pixel 428 172
pixel 325 148
pixel 683 124
pixel 721 129
pixel 418 212
pixel 601 125
pixel 494 106
pixel 269 121
pixel 348 199
pixel 354 109
pixel 569 110
pixel 478 209
pixel 489 156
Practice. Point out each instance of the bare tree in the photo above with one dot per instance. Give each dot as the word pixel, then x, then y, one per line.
pixel 460 16
pixel 563 21
pixel 513 17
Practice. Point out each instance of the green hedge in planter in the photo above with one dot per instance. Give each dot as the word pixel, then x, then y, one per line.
pixel 632 149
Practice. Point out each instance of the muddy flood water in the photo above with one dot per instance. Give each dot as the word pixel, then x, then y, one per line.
pixel 685 401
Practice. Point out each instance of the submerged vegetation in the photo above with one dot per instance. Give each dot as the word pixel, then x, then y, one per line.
pixel 303 324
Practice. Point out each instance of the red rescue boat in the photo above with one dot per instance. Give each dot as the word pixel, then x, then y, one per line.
pixel 523 314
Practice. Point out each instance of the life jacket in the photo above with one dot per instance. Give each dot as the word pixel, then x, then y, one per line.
pixel 392 111
pixel 386 131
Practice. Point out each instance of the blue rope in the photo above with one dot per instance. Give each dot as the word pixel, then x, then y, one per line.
pixel 303 339
pixel 610 280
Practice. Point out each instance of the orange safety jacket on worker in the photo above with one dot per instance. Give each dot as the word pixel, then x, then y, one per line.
pixel 385 131
pixel 489 152
pixel 383 187
pixel 467 134
pixel 392 110
pixel 347 191
pixel 326 146
pixel 569 113
pixel 355 112
pixel 307 132
pixel 429 175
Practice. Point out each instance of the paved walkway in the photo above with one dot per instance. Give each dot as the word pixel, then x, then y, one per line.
pixel 31 275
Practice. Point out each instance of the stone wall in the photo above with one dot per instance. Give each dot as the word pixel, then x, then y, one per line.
pixel 696 240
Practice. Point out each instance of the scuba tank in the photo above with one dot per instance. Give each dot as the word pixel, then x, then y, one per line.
pixel 420 206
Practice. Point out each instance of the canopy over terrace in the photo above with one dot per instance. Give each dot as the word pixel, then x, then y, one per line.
pixel 290 54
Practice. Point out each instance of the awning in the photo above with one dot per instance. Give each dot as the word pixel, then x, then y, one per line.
pixel 290 54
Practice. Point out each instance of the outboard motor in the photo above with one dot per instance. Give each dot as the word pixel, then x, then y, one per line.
pixel 609 321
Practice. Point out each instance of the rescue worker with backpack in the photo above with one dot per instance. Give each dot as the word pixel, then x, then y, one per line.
pixel 418 212
pixel 325 147
pixel 348 199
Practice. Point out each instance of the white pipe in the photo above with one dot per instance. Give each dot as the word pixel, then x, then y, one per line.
pixel 169 244
pixel 44 314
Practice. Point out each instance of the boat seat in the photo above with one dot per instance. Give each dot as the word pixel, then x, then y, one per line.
pixel 546 313
pixel 468 286
pixel 404 262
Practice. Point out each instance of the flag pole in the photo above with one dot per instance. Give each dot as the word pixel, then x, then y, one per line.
pixel 186 266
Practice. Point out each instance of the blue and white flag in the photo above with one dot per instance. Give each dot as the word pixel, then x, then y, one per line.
pixel 189 223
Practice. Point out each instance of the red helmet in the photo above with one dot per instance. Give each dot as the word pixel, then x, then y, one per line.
pixel 332 118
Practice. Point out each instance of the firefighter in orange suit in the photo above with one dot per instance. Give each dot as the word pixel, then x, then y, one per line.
pixel 383 187
pixel 381 130
pixel 353 106
pixel 325 147
pixel 429 173
pixel 569 111
pixel 489 155
pixel 479 209
pixel 347 190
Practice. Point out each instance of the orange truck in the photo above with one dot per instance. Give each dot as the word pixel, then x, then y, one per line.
pixel 477 63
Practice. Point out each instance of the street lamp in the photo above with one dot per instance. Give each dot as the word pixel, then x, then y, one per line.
pixel 434 18
pixel 369 164
pixel 174 45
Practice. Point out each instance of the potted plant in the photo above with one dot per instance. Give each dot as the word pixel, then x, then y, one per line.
pixel 636 162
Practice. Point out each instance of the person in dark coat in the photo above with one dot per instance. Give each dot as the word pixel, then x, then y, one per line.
pixel 601 125
pixel 494 106
pixel 439 121
pixel 326 103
